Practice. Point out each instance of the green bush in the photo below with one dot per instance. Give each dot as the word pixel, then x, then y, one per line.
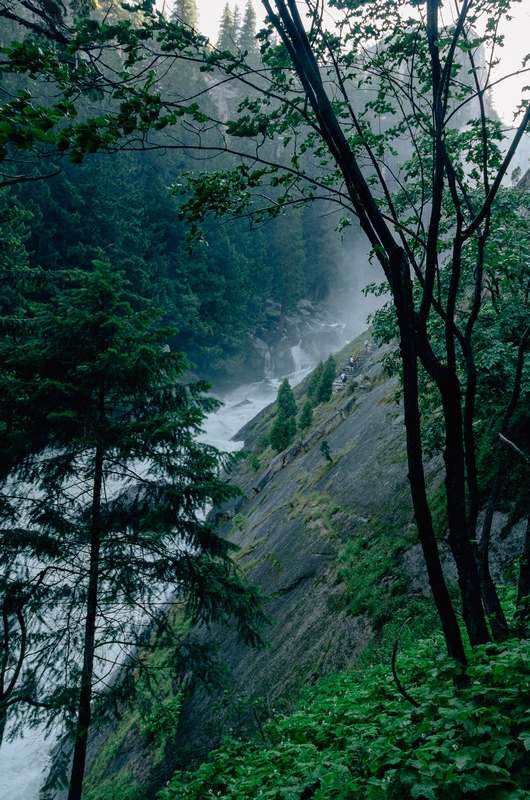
pixel 163 719
pixel 356 738
pixel 240 522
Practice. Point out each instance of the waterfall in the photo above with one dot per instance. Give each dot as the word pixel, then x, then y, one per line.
pixel 302 361
pixel 268 364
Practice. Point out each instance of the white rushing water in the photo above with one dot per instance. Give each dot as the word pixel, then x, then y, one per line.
pixel 242 404
pixel 25 761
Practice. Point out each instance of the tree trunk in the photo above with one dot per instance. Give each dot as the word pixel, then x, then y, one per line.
pixel 3 722
pixel 523 589
pixel 459 538
pixel 85 696
pixel 281 324
pixel 496 617
pixel 494 611
pixel 422 513
pixel 293 34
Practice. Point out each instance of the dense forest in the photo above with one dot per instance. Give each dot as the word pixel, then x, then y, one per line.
pixel 128 207
pixel 121 207
pixel 168 204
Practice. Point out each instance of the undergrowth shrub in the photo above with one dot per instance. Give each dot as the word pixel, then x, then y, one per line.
pixel 163 719
pixel 353 737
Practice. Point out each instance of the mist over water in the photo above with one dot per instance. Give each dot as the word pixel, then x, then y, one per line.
pixel 354 272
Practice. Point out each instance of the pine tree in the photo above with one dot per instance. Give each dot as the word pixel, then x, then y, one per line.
pixel 14 262
pixel 237 24
pixel 314 382
pixel 286 400
pixel 282 432
pixel 185 11
pixel 284 429
pixel 247 35
pixel 93 418
pixel 287 253
pixel 325 385
pixel 226 39
pixel 326 452
pixel 306 417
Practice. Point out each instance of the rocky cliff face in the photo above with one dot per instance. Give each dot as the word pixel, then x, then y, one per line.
pixel 312 326
pixel 320 538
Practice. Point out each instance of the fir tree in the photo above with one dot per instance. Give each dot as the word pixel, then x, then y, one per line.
pixel 306 417
pixel 14 261
pixel 326 452
pixel 282 432
pixel 226 39
pixel 284 429
pixel 325 385
pixel 94 419
pixel 247 34
pixel 286 399
pixel 237 24
pixel 314 382
pixel 185 11
pixel 287 253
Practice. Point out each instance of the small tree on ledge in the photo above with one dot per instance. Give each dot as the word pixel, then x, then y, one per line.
pixel 306 417
pixel 284 429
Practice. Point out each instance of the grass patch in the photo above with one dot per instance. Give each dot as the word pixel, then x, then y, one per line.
pixel 245 551
pixel 369 564
pixel 239 522
pixel 119 787
pixel 314 507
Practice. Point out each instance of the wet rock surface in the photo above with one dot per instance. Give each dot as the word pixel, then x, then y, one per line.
pixel 313 327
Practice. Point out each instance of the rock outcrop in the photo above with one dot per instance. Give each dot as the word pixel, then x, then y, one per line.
pixel 312 327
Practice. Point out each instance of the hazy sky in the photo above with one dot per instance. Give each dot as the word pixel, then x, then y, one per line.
pixel 517 45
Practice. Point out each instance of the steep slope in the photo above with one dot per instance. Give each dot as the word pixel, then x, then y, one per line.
pixel 332 545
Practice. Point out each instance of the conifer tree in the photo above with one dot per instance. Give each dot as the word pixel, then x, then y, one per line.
pixel 237 24
pixel 185 11
pixel 325 385
pixel 94 420
pixel 226 39
pixel 247 35
pixel 283 430
pixel 286 399
pixel 14 262
pixel 314 382
pixel 306 417
pixel 325 450
pixel 287 253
